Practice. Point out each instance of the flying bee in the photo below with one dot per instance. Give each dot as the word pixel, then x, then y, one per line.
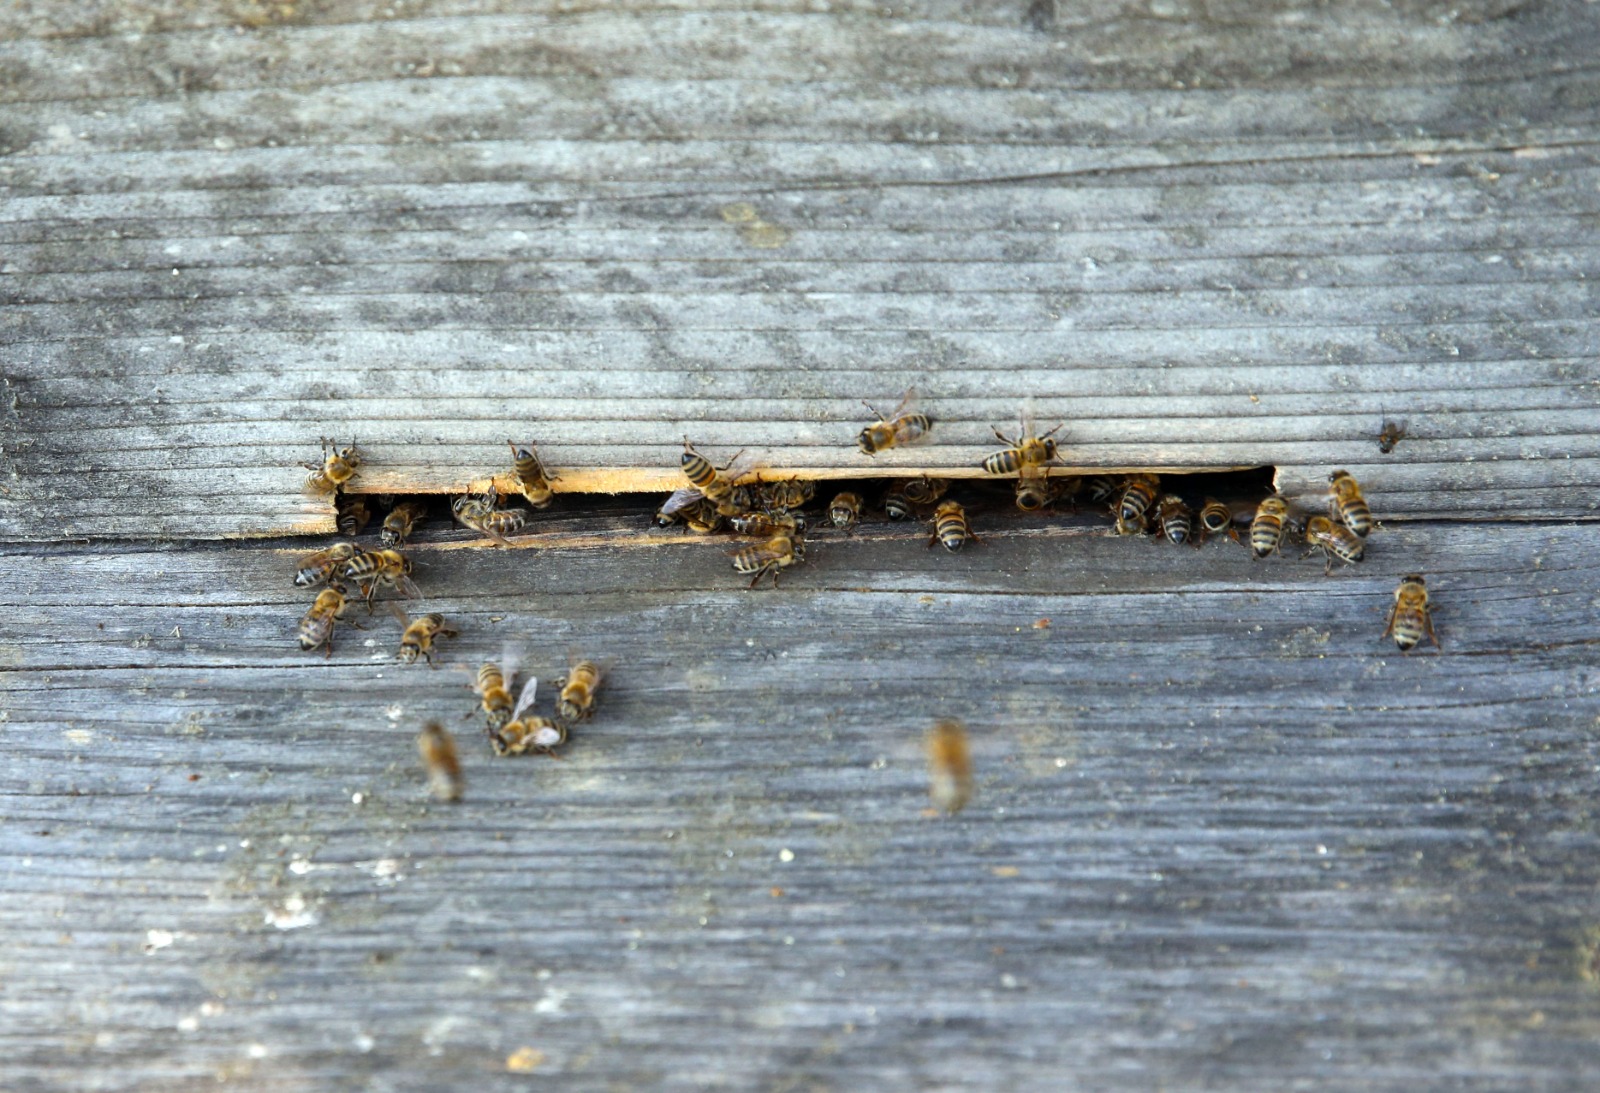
pixel 1392 433
pixel 493 685
pixel 1266 530
pixel 1138 494
pixel 419 635
pixel 1411 617
pixel 1346 503
pixel 845 510
pixel 768 523
pixel 1175 519
pixel 924 490
pixel 316 569
pixel 1027 450
pixel 316 627
pixel 897 506
pixel 1216 518
pixel 438 750
pixel 576 701
pixel 370 568
pixel 353 516
pixel 950 527
pixel 401 523
pixel 533 480
pixel 1334 540
pixel 777 553
pixel 949 765
pixel 904 426
pixel 338 467
pixel 785 495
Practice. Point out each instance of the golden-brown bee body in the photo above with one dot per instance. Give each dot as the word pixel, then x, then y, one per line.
pixel 419 635
pixel 1266 530
pixel 481 514
pixel 371 568
pixel 1411 618
pixel 950 527
pixel 1346 503
pixel 1175 519
pixel 1392 433
pixel 1103 487
pixel 1138 495
pixel 528 733
pixel 316 626
pixel 1216 519
pixel 775 554
pixel 845 510
pixel 494 694
pixel 767 523
pixel 353 516
pixel 904 426
pixel 924 490
pixel 317 569
pixel 1035 489
pixel 401 523
pixel 338 467
pixel 533 481
pixel 897 506
pixel 713 482
pixel 785 495
pixel 438 751
pixel 576 700
pixel 949 766
pixel 1334 540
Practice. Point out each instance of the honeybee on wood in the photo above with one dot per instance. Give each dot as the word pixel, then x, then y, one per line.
pixel 690 507
pixel 845 510
pixel 1138 526
pixel 1138 494
pixel 527 731
pixel 767 523
pixel 777 553
pixel 924 490
pixel 493 685
pixel 1103 487
pixel 338 467
pixel 438 750
pixel 1391 433
pixel 785 495
pixel 1027 450
pixel 576 700
pixel 401 523
pixel 316 627
pixel 533 481
pixel 897 506
pixel 1175 519
pixel 904 426
pixel 353 516
pixel 1411 617
pixel 370 568
pixel 480 515
pixel 1346 503
pixel 950 527
pixel 715 483
pixel 419 635
pixel 1334 540
pixel 1215 519
pixel 949 765
pixel 1266 530
pixel 1036 489
pixel 316 569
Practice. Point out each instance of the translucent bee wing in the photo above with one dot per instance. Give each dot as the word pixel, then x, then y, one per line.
pixel 681 499
pixel 399 613
pixel 407 587
pixel 743 463
pixel 525 699
pixel 510 661
pixel 1026 418
pixel 908 403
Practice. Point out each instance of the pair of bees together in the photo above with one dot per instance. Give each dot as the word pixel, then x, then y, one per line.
pixel 482 512
pixel 513 727
pixel 1342 534
pixel 338 566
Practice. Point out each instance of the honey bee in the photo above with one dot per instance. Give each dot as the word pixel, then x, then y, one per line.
pixel 1334 540
pixel 316 569
pixel 1035 489
pixel 714 483
pixel 353 516
pixel 949 766
pixel 1103 487
pixel 689 506
pixel 904 426
pixel 370 568
pixel 785 495
pixel 1137 526
pixel 845 510
pixel 533 480
pixel 767 523
pixel 401 523
pixel 338 467
pixel 1411 617
pixel 1027 450
pixel 480 515
pixel 419 635
pixel 1266 530
pixel 527 731
pixel 1392 433
pixel 950 527
pixel 897 506
pixel 1138 494
pixel 493 687
pixel 777 553
pixel 1175 519
pixel 576 701
pixel 924 490
pixel 438 750
pixel 1216 518
pixel 316 627
pixel 1346 503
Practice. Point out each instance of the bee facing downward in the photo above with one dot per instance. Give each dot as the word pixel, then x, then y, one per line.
pixel 845 511
pixel 1411 617
pixel 419 635
pixel 904 426
pixel 576 701
pixel 316 628
pixel 1346 503
pixel 1266 530
pixel 950 527
pixel 949 766
pixel 438 750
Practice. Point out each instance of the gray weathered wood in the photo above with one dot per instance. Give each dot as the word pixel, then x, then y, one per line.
pixel 1224 836
pixel 1229 236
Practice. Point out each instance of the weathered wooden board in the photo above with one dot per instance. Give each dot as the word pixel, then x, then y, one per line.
pixel 1224 836
pixel 1229 235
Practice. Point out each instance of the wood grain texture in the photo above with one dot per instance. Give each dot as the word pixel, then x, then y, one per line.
pixel 1226 235
pixel 1224 836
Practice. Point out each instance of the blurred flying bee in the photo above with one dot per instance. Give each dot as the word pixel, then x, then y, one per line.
pixel 924 490
pixel 316 569
pixel 1392 433
pixel 777 553
pixel 316 627
pixel 1215 519
pixel 950 527
pixel 1411 617
pixel 785 495
pixel 1266 530
pixel 338 467
pixel 1334 540
pixel 438 750
pixel 401 523
pixel 845 510
pixel 493 686
pixel 1027 450
pixel 1175 519
pixel 897 506
pixel 419 635
pixel 576 700
pixel 1346 503
pixel 526 731
pixel 353 516
pixel 370 568
pixel 1138 494
pixel 904 426
pixel 949 765
pixel 533 481
pixel 768 523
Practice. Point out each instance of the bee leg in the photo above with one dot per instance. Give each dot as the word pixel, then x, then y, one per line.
pixel 875 413
pixel 932 539
pixel 1431 635
pixel 1387 630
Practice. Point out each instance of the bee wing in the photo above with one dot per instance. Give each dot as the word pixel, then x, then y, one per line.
pixel 744 463
pixel 334 553
pixel 399 613
pixel 525 699
pixel 681 499
pixel 510 661
pixel 407 587
pixel 908 403
pixel 1026 419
